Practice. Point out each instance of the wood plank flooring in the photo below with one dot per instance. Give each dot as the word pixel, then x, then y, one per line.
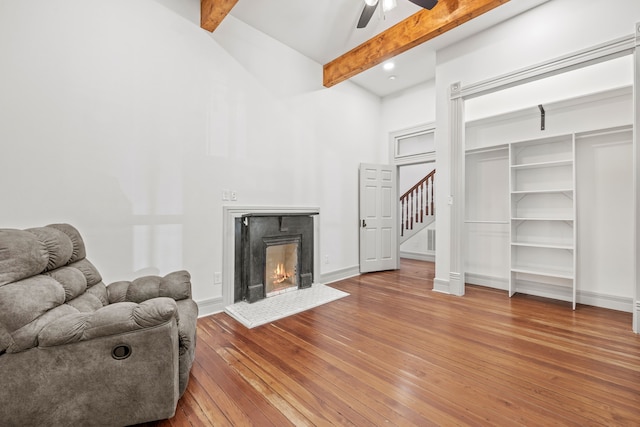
pixel 396 353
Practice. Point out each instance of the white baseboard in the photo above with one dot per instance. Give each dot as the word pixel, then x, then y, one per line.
pixel 441 285
pixel 487 281
pixel 418 256
pixel 344 273
pixel 216 305
pixel 595 299
pixel 210 306
pixel 605 301
pixel 544 290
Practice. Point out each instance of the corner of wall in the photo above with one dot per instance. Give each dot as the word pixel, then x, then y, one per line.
pixel 210 306
pixel 441 285
pixel 341 274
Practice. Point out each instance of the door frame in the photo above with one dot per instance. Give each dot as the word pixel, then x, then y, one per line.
pixel 397 161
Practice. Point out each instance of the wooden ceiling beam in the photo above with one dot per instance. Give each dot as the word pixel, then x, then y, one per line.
pixel 212 12
pixel 416 29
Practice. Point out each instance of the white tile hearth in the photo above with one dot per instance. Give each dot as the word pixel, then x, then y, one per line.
pixel 283 305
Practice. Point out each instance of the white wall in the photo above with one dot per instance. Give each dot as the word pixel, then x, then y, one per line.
pixel 127 120
pixel 411 174
pixel 605 257
pixel 406 109
pixel 410 107
pixel 554 29
pixel 486 218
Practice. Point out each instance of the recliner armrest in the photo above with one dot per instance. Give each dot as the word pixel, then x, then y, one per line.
pixel 110 320
pixel 176 285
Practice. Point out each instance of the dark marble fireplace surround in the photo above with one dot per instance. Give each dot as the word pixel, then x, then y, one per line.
pixel 254 232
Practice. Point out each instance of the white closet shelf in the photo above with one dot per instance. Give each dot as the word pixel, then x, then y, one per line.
pixel 554 163
pixel 543 219
pixel 543 245
pixel 476 221
pixel 549 191
pixel 540 271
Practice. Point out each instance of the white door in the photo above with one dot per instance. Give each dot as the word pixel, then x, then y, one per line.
pixel 378 218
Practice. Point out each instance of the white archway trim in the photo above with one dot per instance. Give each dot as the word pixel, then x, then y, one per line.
pixel 603 52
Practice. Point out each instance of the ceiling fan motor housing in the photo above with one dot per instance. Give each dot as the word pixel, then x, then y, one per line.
pixel 427 4
pixel 371 5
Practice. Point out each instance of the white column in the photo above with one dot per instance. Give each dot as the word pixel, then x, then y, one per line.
pixel 456 198
pixel 636 176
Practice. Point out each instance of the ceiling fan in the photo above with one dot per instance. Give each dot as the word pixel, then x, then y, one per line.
pixel 371 5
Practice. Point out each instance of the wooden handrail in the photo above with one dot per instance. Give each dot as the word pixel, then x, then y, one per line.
pixel 417 202
pixel 418 184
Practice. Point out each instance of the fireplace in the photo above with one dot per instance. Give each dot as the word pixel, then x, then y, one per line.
pixel 274 254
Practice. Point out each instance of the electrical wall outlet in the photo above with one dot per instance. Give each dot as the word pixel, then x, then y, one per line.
pixel 326 259
pixel 225 195
pixel 234 195
pixel 217 278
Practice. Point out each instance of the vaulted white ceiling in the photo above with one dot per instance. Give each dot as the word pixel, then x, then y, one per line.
pixel 325 29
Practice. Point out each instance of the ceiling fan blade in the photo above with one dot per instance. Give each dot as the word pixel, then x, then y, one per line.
pixel 367 13
pixel 427 4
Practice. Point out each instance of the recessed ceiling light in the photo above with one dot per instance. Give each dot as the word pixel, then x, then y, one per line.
pixel 388 5
pixel 388 66
pixel 392 77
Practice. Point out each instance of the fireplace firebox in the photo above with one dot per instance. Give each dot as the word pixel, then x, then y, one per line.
pixel 281 264
pixel 274 254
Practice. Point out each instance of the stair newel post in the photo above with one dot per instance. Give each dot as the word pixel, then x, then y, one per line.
pixel 432 182
pixel 417 193
pixel 421 188
pixel 426 205
pixel 411 213
pixel 402 217
pixel 426 197
pixel 426 208
pixel 406 214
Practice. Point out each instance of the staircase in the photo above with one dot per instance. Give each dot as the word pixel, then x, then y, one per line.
pixel 417 207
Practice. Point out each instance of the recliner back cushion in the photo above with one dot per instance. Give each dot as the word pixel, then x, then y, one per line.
pixel 26 300
pixel 57 244
pixel 21 255
pixel 40 270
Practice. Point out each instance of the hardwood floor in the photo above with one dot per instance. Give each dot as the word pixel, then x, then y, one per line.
pixel 396 353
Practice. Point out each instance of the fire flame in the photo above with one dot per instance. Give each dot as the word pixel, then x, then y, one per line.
pixel 280 275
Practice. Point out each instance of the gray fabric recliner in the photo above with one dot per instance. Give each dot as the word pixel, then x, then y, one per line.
pixel 76 352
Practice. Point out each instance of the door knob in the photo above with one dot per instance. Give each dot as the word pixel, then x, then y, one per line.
pixel 364 224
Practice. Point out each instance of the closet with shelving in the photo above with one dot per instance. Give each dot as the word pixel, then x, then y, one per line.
pixel 548 212
pixel 543 217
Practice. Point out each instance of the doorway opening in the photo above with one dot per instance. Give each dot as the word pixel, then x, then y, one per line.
pixel 416 185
